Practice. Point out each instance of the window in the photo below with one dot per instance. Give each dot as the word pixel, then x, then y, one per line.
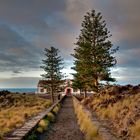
pixel 74 90
pixel 42 90
pixel 48 89
pixel 82 90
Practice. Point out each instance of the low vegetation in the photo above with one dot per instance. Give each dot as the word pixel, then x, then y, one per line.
pixel 44 124
pixel 87 126
pixel 15 109
pixel 119 105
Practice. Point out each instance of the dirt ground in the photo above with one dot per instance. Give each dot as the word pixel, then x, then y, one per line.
pixel 65 127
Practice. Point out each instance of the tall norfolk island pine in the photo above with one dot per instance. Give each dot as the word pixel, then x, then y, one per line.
pixel 52 65
pixel 93 52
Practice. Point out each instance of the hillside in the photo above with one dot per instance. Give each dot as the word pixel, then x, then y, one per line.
pixel 119 108
pixel 16 108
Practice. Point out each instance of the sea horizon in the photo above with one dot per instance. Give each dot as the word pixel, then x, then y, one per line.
pixel 20 90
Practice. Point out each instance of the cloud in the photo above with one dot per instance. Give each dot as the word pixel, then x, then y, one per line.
pixel 75 9
pixel 16 72
pixel 27 27
pixel 126 75
pixel 22 82
pixel 28 12
pixel 16 53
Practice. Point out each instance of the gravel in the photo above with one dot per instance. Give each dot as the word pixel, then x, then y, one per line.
pixel 65 127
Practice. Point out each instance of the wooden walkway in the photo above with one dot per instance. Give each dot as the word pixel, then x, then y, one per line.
pixel 65 127
pixel 20 133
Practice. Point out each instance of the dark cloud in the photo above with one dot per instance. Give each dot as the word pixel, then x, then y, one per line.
pixel 15 52
pixel 16 72
pixel 28 11
pixel 27 27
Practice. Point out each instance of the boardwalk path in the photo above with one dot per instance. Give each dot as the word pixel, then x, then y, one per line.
pixel 65 127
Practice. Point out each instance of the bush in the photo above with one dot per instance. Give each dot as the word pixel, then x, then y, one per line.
pixel 32 136
pixel 50 117
pixel 40 129
pixel 44 123
pixel 59 105
pixel 55 110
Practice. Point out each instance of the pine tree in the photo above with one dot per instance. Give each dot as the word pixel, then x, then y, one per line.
pixel 93 53
pixel 52 65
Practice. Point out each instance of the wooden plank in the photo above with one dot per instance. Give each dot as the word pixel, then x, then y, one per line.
pixel 20 133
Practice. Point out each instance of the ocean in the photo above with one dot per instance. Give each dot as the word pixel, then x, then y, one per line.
pixel 20 90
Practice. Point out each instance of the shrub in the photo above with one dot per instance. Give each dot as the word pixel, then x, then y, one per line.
pixel 59 105
pixel 40 129
pixel 50 117
pixel 55 110
pixel 32 136
pixel 44 123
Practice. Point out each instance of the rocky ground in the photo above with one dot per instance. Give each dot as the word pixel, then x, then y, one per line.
pixel 119 108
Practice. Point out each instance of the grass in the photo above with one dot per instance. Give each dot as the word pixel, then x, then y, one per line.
pixel 121 112
pixel 18 109
pixel 135 130
pixel 111 111
pixel 85 122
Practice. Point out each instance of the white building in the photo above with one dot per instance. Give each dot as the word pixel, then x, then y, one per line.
pixel 65 88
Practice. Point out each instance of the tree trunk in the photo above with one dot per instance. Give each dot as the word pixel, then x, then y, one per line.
pixel 85 93
pixel 80 92
pixel 52 94
pixel 96 83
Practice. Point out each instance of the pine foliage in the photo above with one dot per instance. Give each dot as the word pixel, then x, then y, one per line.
pixel 93 53
pixel 52 65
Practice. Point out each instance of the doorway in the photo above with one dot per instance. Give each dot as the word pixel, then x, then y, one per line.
pixel 68 92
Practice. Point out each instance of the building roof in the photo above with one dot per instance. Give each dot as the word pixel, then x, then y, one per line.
pixel 42 83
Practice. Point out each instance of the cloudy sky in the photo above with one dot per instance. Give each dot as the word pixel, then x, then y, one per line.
pixel 28 26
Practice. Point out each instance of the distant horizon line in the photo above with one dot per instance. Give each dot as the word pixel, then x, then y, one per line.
pixel 16 87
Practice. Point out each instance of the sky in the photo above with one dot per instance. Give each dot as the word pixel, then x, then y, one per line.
pixel 29 26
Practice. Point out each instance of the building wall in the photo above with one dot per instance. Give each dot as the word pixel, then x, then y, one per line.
pixel 67 85
pixel 41 90
pixel 68 88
